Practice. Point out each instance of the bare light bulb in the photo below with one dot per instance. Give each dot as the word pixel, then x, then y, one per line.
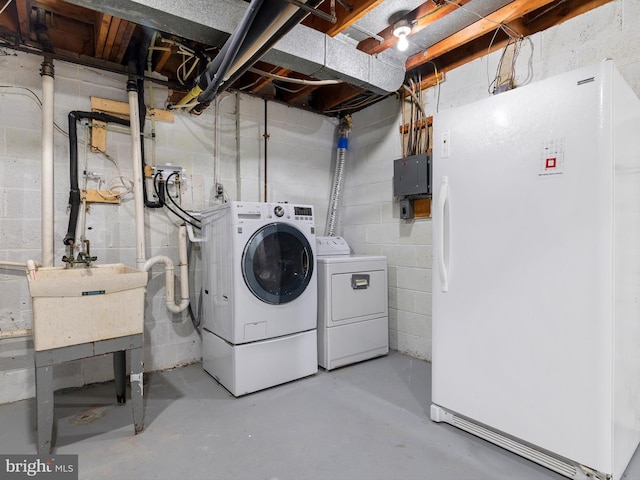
pixel 403 43
pixel 400 30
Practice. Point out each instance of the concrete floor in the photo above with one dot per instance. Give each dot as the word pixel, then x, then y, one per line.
pixel 366 421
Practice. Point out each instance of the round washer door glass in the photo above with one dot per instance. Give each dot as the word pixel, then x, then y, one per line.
pixel 277 263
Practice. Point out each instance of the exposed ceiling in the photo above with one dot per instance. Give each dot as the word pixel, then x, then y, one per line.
pixel 358 50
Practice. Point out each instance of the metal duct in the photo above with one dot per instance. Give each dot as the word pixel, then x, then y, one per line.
pixel 303 49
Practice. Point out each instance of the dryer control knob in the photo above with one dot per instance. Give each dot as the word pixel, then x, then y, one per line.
pixel 279 211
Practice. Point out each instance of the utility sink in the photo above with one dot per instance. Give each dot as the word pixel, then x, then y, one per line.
pixel 80 305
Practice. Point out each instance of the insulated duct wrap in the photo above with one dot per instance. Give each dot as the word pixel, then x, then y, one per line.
pixel 338 178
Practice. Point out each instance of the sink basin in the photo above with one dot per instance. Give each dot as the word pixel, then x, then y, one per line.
pixel 80 305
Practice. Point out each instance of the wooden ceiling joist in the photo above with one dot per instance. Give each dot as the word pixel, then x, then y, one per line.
pixel 264 81
pixel 345 18
pixel 124 42
pixel 103 21
pixel 506 14
pixel 291 97
pixel 65 9
pixel 111 37
pixel 162 61
pixel 538 21
pixel 335 95
pixel 24 15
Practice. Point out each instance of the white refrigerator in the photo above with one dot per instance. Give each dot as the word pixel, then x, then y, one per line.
pixel 536 277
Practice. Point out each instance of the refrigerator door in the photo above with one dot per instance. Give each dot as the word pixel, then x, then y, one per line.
pixel 522 291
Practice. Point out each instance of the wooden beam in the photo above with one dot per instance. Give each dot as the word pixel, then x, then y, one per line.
pixel 291 97
pixel 422 207
pixel 98 136
pixel 111 37
pixel 264 81
pixel 65 9
pixel 117 40
pixel 121 109
pixel 162 60
pixel 24 18
pixel 506 14
pixel 537 21
pixel 93 196
pixel 103 20
pixel 421 17
pixel 527 26
pixel 345 18
pixel 334 95
pixel 124 42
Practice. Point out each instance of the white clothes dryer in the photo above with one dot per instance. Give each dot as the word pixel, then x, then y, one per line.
pixel 259 294
pixel 353 314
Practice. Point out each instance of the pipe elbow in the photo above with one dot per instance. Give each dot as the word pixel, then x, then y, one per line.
pixel 168 264
pixel 178 308
pixel 32 266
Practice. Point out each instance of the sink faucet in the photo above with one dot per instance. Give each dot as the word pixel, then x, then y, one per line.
pixel 84 256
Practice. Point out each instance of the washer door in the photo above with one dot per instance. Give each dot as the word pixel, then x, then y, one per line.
pixel 277 263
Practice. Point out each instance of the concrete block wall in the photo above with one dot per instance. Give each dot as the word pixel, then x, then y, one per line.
pixel 369 218
pixel 301 152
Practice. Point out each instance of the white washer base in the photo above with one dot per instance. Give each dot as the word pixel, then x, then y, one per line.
pixel 250 367
pixel 353 342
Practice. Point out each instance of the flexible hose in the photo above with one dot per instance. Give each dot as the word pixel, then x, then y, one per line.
pixel 338 178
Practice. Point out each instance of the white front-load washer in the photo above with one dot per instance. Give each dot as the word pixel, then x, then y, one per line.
pixel 353 315
pixel 259 294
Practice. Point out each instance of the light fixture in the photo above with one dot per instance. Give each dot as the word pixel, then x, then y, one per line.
pixel 401 29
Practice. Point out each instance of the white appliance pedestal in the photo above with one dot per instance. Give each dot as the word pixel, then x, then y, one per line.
pixel 250 367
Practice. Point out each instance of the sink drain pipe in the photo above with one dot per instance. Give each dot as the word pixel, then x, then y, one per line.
pixel 338 178
pixel 46 192
pixel 138 195
pixel 172 306
pixel 119 359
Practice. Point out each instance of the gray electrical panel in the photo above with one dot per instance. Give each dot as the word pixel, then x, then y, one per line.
pixel 412 176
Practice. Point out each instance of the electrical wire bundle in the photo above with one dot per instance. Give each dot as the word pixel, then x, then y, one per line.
pixel 160 186
pixel 418 133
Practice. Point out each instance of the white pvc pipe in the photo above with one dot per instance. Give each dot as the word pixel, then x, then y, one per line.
pixel 184 269
pixel 30 265
pixel 169 274
pixel 136 157
pixel 23 332
pixel 31 269
pixel 13 264
pixel 46 195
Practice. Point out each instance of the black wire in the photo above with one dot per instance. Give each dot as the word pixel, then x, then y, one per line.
pixel 155 187
pixel 175 203
pixel 195 320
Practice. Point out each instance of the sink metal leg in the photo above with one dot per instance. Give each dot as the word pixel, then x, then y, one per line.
pixel 137 369
pixel 44 408
pixel 120 375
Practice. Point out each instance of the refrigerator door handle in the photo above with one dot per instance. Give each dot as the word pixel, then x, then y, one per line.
pixel 443 198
